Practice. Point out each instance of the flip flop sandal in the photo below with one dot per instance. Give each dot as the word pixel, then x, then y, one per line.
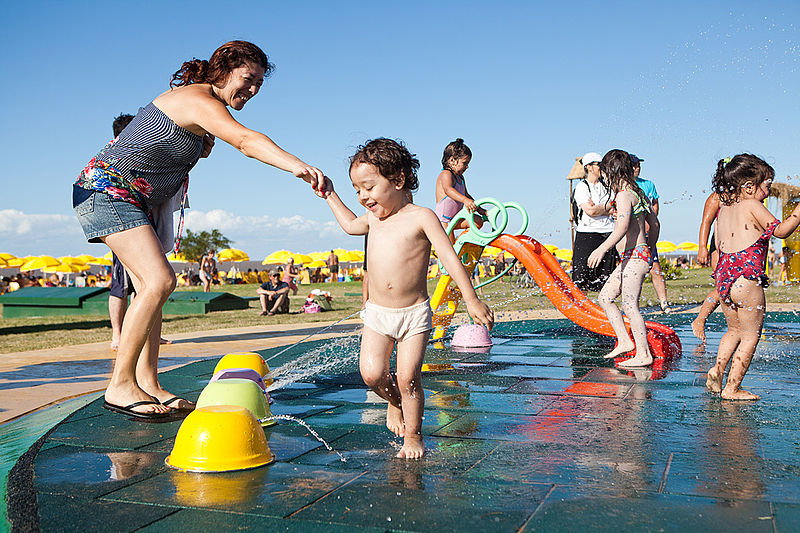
pixel 177 399
pixel 128 410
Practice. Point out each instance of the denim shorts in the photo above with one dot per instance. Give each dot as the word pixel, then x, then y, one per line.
pixel 101 215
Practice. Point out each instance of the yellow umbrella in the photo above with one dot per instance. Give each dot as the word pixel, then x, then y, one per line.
pixel 338 251
pixel 490 251
pixel 349 257
pixel 40 262
pixel 69 260
pixel 357 253
pixel 100 261
pixel 18 261
pixel 3 262
pixel 319 263
pixel 108 255
pixel 85 258
pixel 66 268
pixel 232 254
pixel 551 248
pixel 276 258
pixel 319 256
pixel 688 246
pixel 563 254
pixel 665 247
pixel 7 256
pixel 180 258
pixel 302 258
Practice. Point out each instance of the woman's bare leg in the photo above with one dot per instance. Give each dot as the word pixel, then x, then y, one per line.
pixel 410 353
pixel 633 273
pixel 610 291
pixel 376 349
pixel 750 303
pixel 140 252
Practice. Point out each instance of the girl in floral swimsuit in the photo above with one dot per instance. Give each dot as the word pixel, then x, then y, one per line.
pixel 744 224
pixel 632 209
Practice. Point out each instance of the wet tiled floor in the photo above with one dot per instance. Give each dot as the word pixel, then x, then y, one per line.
pixel 538 434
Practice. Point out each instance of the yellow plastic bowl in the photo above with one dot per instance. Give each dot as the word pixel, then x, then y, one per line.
pixel 245 360
pixel 237 391
pixel 219 439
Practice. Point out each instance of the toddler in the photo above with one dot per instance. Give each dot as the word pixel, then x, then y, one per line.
pixel 398 313
pixel 632 210
pixel 744 230
pixel 451 190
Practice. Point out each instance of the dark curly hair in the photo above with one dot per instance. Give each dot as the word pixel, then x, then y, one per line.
pixel 617 171
pixel 392 159
pixel 732 174
pixel 120 122
pixel 227 57
pixel 456 150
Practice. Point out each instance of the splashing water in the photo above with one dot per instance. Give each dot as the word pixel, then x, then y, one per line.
pixel 308 428
pixel 334 354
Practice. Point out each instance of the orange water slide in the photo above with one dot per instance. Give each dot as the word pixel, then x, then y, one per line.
pixel 571 302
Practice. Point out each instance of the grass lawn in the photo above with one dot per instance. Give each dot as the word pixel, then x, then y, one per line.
pixel 23 334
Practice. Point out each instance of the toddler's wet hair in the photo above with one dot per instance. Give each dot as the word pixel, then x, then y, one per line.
pixel 732 174
pixel 392 159
pixel 455 150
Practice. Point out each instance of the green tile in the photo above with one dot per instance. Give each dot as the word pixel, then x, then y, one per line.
pixel 373 417
pixel 487 402
pixel 65 513
pixel 787 517
pixel 429 503
pixel 113 430
pixel 275 490
pixel 565 511
pixel 85 473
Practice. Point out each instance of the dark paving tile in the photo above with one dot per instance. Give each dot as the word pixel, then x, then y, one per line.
pixel 275 490
pixel 85 473
pixel 189 519
pixel 519 428
pixel 298 390
pixel 654 512
pixel 478 383
pixel 66 513
pixel 787 517
pixel 431 503
pixel 568 387
pixel 299 408
pixel 618 470
pixel 373 418
pixel 112 430
pixel 375 453
pixel 489 402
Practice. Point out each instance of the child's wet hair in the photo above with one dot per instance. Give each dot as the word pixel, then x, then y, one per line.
pixel 392 159
pixel 618 173
pixel 455 150
pixel 735 172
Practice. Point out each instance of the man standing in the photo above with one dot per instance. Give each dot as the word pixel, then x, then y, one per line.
pixel 274 295
pixel 649 189
pixel 595 224
pixel 333 266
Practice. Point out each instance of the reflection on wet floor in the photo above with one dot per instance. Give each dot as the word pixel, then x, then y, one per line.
pixel 537 429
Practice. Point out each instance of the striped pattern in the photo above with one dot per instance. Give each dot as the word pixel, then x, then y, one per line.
pixel 154 148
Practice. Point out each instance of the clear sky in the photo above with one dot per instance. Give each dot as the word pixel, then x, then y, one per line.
pixel 528 85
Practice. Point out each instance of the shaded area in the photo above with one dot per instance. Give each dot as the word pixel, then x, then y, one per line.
pixel 538 433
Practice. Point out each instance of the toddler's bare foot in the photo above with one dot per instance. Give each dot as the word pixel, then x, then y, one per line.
pixel 699 329
pixel 621 349
pixel 638 360
pixel 739 394
pixel 413 448
pixel 714 381
pixel 394 420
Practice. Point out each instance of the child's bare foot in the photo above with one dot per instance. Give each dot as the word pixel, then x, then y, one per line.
pixel 714 381
pixel 394 421
pixel 638 360
pixel 699 329
pixel 738 394
pixel 621 349
pixel 413 448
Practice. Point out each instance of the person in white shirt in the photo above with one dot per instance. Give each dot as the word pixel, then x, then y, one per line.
pixel 595 224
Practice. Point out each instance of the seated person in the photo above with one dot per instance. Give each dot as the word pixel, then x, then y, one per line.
pixel 274 295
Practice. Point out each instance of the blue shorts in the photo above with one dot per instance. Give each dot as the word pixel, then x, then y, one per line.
pixel 121 286
pixel 101 215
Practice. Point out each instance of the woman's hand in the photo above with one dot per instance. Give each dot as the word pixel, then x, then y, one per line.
pixel 313 176
pixel 470 205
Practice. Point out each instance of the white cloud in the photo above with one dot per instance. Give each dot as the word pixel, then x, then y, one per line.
pixel 34 234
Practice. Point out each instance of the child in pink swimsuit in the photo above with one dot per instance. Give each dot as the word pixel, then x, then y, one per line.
pixel 744 230
pixel 451 190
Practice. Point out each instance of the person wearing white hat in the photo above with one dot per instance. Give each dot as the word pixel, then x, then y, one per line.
pixel 595 224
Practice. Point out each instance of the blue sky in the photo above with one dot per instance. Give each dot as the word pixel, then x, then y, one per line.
pixel 528 85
